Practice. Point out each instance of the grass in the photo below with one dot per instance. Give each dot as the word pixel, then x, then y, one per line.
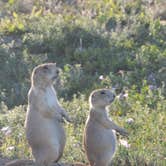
pixel 146 131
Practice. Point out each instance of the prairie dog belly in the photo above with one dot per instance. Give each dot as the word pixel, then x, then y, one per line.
pixel 44 132
pixel 50 97
pixel 104 140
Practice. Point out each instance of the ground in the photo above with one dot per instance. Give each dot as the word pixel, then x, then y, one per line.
pixel 3 161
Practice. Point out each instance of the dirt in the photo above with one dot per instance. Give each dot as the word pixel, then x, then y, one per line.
pixel 3 161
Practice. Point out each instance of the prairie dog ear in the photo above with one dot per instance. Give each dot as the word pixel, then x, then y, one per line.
pixel 45 67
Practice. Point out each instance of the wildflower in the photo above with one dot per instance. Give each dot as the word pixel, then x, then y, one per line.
pixel 130 120
pixel 10 148
pixel 101 77
pixel 122 96
pixel 152 87
pixel 125 95
pixel 6 130
pixel 121 72
pixel 124 143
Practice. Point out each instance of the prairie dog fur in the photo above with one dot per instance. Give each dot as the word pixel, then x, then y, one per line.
pixel 44 130
pixel 99 136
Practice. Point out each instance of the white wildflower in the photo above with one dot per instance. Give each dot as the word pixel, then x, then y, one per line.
pixel 122 96
pixel 6 130
pixel 10 148
pixel 124 143
pixel 130 120
pixel 125 95
pixel 101 77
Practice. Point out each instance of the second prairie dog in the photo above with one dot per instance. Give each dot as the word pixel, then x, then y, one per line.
pixel 99 137
pixel 44 128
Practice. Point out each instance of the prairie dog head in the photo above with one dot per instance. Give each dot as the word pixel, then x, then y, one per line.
pixel 101 98
pixel 45 74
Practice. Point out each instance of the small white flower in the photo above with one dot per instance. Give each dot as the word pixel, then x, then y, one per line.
pixel 124 143
pixel 10 148
pixel 130 120
pixel 119 96
pixel 101 77
pixel 122 96
pixel 6 130
pixel 76 145
pixel 125 95
pixel 20 134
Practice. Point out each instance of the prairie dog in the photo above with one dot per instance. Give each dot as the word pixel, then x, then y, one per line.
pixel 99 136
pixel 44 130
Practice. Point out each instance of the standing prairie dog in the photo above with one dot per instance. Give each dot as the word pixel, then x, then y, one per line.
pixel 44 130
pixel 99 137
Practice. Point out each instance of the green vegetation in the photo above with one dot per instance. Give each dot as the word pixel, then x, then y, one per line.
pixel 97 44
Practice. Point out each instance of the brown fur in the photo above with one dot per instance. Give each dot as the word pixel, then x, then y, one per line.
pixel 99 137
pixel 44 128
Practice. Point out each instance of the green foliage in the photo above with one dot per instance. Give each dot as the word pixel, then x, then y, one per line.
pixel 147 130
pixel 14 25
pixel 13 134
pixel 135 45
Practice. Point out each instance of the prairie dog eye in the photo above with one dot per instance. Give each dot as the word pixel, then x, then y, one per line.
pixel 102 92
pixel 45 67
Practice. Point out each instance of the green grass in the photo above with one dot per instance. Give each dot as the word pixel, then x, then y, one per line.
pixel 147 132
